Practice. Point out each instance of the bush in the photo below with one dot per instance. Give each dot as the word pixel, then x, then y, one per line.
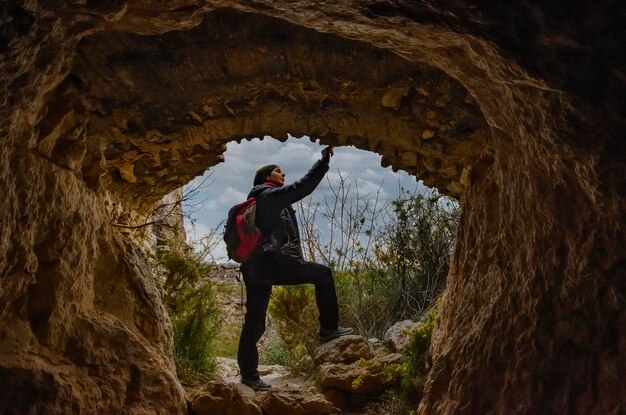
pixel 390 259
pixel 189 297
pixel 417 354
pixel 415 249
pixel 364 300
pixel 294 311
pixel 227 338
pixel 275 353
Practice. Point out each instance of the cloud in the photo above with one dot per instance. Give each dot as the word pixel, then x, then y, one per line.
pixel 196 230
pixel 231 196
pixel 210 205
pixel 370 188
pixel 219 252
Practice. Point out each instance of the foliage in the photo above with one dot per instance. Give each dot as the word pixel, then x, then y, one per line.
pixel 390 259
pixel 364 300
pixel 227 338
pixel 417 354
pixel 275 353
pixel 301 358
pixel 395 372
pixel 415 249
pixel 189 297
pixel 351 217
pixel 295 313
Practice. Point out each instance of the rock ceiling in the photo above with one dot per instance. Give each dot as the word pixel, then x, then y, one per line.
pixel 164 106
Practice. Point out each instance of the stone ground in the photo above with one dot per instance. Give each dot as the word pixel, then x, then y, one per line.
pixel 280 378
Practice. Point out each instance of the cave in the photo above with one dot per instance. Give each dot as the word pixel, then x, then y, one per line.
pixel 514 109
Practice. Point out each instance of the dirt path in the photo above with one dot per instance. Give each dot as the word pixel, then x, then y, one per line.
pixel 276 375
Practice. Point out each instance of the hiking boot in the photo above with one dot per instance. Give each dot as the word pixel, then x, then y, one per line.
pixel 257 385
pixel 326 335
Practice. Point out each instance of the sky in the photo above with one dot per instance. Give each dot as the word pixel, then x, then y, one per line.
pixel 229 182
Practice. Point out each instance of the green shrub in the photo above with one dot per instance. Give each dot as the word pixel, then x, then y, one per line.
pixel 389 264
pixel 294 311
pixel 364 297
pixel 417 354
pixel 415 250
pixel 275 353
pixel 301 359
pixel 227 338
pixel 189 297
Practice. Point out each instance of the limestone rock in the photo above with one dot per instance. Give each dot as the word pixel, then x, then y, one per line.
pixel 223 399
pixel 168 219
pixel 225 274
pixel 112 331
pixel 347 401
pixel 393 97
pixel 364 377
pixel 345 349
pixel 296 402
pixel 397 336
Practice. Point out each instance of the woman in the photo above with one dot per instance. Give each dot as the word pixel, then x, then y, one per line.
pixel 279 261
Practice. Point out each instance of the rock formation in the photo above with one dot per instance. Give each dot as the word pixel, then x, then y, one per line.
pixel 351 375
pixel 223 399
pixel 346 349
pixel 516 108
pixel 364 378
pixel 294 402
pixel 398 336
pixel 167 219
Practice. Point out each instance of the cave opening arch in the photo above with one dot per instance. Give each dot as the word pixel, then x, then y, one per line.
pixel 445 107
pixel 346 92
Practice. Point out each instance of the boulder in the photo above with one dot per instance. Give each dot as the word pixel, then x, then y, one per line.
pixel 345 400
pixel 223 399
pixel 397 336
pixel 365 377
pixel 296 402
pixel 346 349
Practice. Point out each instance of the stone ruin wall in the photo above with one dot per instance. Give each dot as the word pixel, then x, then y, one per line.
pixel 111 106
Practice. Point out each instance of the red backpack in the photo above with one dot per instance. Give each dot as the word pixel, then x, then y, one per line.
pixel 241 235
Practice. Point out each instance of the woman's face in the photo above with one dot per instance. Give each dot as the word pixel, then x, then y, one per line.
pixel 277 176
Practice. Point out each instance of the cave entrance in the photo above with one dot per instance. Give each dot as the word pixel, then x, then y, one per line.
pixel 387 237
pixel 237 74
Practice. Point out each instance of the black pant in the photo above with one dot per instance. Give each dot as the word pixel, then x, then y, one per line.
pixel 259 274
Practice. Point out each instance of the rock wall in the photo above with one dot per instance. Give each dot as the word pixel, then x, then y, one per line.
pixel 515 108
pixel 82 324
pixel 168 220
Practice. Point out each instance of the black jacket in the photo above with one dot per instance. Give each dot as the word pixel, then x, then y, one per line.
pixel 275 217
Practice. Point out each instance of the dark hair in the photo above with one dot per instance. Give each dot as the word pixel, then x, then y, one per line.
pixel 262 173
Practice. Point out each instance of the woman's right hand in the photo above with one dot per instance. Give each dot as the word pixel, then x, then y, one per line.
pixel 328 152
